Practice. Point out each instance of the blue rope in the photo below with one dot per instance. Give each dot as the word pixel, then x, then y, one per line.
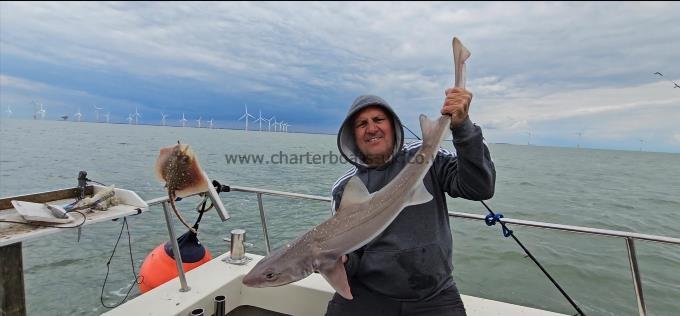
pixel 491 219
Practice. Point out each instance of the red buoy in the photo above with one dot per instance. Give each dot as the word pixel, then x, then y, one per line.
pixel 159 265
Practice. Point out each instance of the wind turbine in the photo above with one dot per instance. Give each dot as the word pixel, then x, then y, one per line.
pixel 246 117
pixel 43 112
pixel 183 120
pixel 9 111
pixel 129 119
pixel 529 142
pixel 35 109
pixel 260 119
pixel 578 144
pixel 108 114
pixel 211 123
pixel 269 123
pixel 163 116
pixel 78 115
pixel 96 112
pixel 199 121
pixel 137 116
pixel 39 113
pixel 641 142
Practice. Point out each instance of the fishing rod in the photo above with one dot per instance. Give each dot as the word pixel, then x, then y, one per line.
pixel 492 218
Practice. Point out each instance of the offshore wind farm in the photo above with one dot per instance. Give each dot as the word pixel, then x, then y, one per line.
pixel 133 118
pixel 246 121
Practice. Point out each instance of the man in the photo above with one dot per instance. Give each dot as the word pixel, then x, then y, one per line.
pixel 406 270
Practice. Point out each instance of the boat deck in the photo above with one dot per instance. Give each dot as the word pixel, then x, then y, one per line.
pixel 305 297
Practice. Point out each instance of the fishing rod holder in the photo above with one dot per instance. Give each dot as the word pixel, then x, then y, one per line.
pixel 184 287
pixel 237 248
pixel 213 194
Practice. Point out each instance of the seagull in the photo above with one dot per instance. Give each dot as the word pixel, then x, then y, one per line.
pixel 675 85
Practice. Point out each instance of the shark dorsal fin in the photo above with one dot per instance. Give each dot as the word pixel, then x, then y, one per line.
pixel 355 191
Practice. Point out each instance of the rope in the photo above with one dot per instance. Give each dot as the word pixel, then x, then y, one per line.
pixel 138 280
pixel 47 225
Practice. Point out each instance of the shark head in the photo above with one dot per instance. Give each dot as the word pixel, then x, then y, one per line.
pixel 279 268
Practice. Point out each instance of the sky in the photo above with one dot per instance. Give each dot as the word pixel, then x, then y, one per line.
pixel 550 74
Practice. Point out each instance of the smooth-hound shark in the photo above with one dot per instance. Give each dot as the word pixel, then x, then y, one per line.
pixel 361 216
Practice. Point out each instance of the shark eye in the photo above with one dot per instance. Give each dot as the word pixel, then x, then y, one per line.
pixel 270 276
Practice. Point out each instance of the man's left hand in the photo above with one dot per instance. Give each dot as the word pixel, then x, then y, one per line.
pixel 457 104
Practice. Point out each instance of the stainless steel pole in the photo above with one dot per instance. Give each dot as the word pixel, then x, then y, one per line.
pixel 264 223
pixel 637 283
pixel 175 250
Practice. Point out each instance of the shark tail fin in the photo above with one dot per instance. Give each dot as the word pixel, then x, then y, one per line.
pixel 336 276
pixel 432 130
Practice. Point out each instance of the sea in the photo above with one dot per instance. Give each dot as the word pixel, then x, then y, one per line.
pixel 618 190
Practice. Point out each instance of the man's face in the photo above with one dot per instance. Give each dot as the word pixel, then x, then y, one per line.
pixel 373 133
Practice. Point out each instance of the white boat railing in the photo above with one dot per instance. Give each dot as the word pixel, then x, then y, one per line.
pixel 627 236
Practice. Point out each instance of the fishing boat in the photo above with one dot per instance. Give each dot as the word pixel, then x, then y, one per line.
pixel 215 288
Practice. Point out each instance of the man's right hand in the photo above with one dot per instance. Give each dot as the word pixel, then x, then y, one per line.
pixel 456 105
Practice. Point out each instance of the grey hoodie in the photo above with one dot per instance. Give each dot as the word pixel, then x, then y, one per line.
pixel 412 259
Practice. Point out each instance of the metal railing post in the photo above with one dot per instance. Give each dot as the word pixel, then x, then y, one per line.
pixel 175 250
pixel 264 223
pixel 637 283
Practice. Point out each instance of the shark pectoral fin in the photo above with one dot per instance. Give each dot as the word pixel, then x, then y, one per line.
pixel 336 276
pixel 420 195
pixel 355 191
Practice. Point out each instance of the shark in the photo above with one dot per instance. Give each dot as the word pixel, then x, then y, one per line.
pixel 361 216
pixel 178 166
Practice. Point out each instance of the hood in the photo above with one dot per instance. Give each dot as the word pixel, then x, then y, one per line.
pixel 346 143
